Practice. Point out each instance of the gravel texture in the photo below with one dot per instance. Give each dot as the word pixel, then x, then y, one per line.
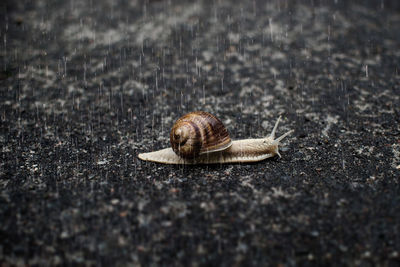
pixel 87 85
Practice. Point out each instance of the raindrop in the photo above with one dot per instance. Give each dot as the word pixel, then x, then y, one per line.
pixel 270 29
pixel 204 95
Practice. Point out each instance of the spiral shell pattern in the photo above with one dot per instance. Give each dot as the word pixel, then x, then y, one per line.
pixel 198 133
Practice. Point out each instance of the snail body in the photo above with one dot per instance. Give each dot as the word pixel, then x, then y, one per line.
pixel 207 142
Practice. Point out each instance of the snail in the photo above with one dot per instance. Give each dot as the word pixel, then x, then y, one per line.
pixel 201 138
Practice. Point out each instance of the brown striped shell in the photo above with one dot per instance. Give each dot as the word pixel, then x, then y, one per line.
pixel 198 133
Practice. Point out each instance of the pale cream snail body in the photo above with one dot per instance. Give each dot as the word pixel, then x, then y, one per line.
pixel 201 138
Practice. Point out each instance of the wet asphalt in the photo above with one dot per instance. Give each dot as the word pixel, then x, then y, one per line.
pixel 88 85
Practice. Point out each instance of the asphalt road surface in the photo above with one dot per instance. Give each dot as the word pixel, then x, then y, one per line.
pixel 88 85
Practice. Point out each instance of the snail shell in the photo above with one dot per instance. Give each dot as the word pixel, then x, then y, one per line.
pixel 200 138
pixel 198 133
